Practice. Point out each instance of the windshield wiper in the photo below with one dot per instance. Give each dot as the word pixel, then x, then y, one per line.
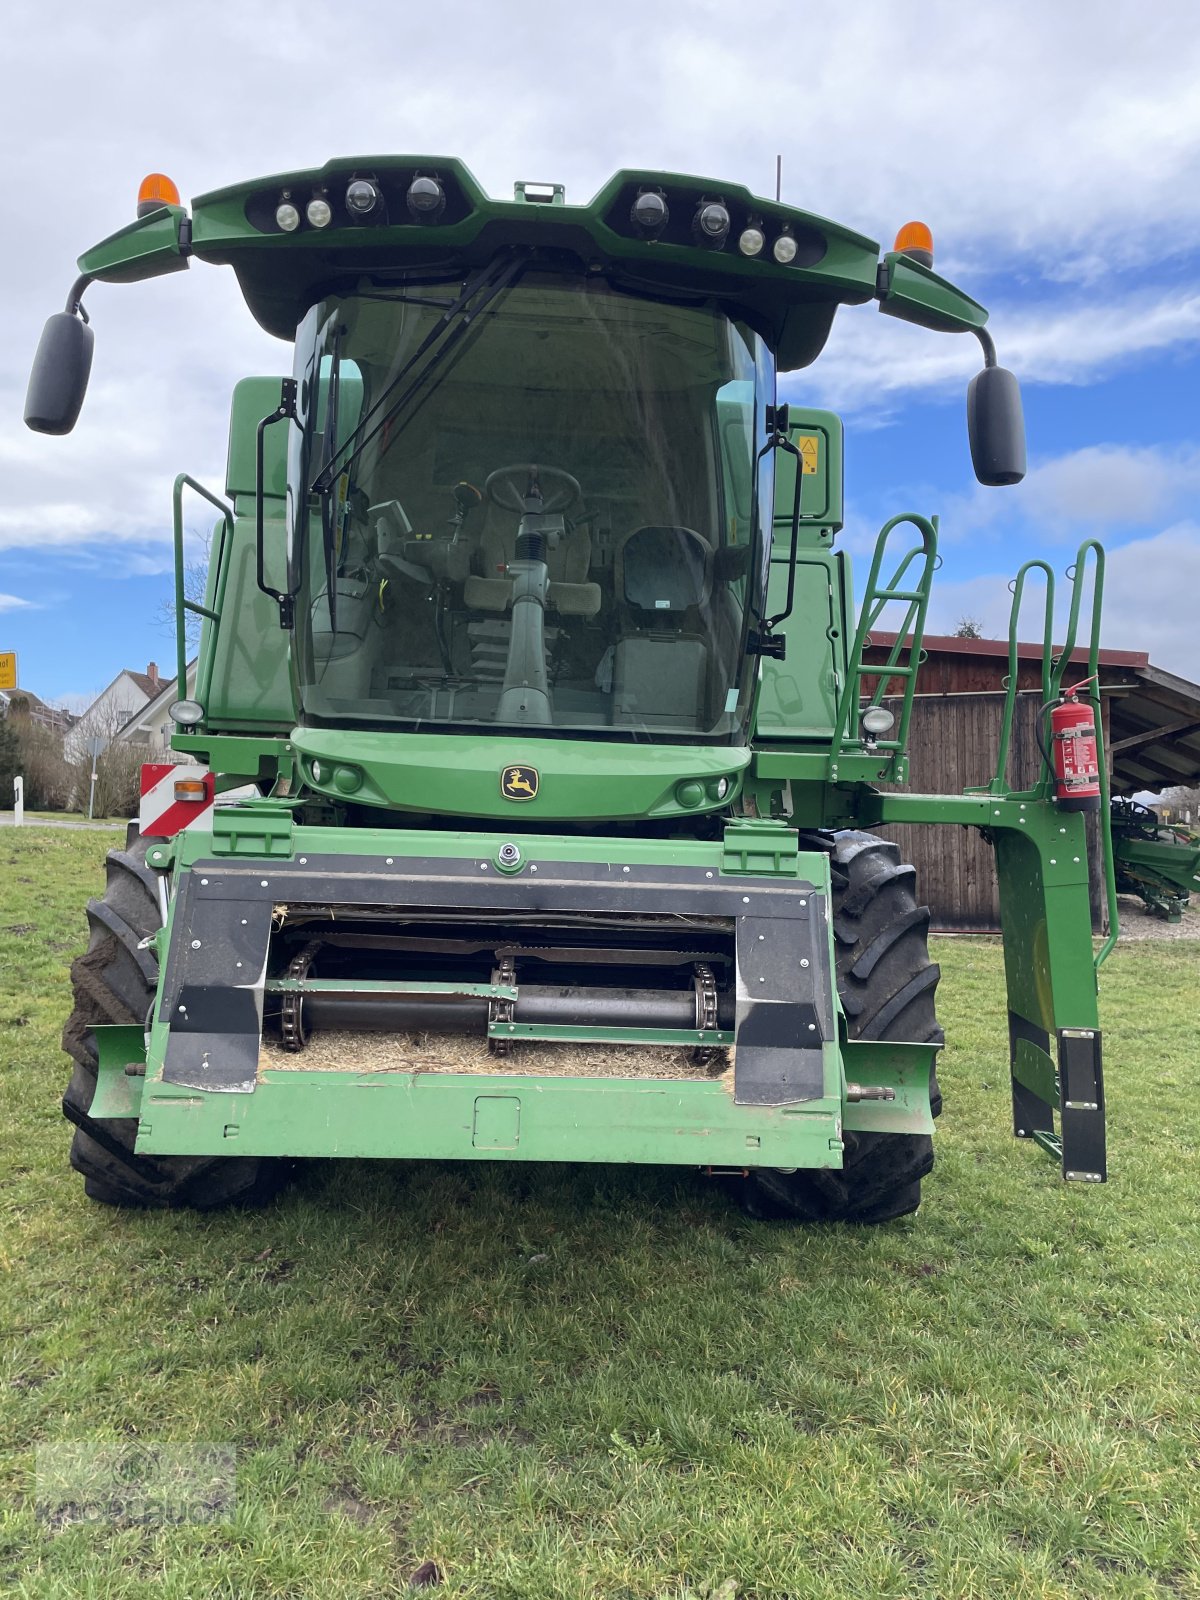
pixel 478 293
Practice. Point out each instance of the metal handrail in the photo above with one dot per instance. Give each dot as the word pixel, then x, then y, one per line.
pixel 910 633
pixel 1092 686
pixel 999 784
pixel 182 604
pixel 1053 670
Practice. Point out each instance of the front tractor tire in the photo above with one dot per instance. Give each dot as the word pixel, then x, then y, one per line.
pixel 886 983
pixel 115 981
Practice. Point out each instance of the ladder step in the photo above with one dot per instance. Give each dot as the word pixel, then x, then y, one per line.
pixel 893 594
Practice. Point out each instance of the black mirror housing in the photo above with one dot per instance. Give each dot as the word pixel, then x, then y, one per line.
pixel 996 427
pixel 59 378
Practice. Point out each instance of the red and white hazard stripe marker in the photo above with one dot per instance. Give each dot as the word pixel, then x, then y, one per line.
pixel 174 798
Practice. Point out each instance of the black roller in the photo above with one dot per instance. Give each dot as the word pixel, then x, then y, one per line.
pixel 560 1005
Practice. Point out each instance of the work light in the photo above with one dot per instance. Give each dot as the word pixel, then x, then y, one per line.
pixel 784 248
pixel 426 199
pixel 712 224
pixel 650 213
pixel 361 197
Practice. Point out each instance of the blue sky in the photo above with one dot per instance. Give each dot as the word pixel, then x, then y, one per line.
pixel 1056 157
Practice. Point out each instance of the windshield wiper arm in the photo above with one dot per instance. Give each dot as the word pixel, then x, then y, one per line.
pixel 478 293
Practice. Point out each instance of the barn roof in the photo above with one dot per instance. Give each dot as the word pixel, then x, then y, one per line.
pixel 1154 729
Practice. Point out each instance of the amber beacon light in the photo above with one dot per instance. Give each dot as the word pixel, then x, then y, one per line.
pixel 915 240
pixel 156 190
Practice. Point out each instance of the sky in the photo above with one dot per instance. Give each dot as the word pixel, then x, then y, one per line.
pixel 1054 150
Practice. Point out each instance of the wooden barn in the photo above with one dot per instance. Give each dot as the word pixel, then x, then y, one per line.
pixel 1151 729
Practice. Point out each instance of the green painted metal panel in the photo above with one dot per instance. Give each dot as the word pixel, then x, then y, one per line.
pixel 917 294
pixel 282 274
pixel 146 248
pixel 569 1034
pixel 118 1093
pixel 1035 1068
pixel 496 1124
pixel 436 773
pixel 409 1115
pixel 797 697
pixel 819 437
pixel 905 1069
pixel 254 399
pixel 391 845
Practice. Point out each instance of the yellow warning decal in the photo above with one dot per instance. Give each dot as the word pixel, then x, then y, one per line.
pixel 807 446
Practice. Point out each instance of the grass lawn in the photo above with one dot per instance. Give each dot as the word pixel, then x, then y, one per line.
pixel 607 1382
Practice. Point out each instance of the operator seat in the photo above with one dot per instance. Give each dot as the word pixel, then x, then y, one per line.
pixel 571 595
pixel 663 577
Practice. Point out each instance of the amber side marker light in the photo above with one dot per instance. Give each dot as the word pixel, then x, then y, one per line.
pixel 156 190
pixel 193 789
pixel 915 240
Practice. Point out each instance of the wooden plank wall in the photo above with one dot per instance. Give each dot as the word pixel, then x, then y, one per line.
pixel 953 741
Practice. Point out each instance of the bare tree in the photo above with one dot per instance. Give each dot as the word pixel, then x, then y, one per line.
pixel 195 586
pixel 118 765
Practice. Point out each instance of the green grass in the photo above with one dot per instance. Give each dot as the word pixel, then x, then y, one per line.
pixel 64 816
pixel 606 1382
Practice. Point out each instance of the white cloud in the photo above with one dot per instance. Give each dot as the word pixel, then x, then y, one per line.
pixel 13 602
pixel 871 359
pixel 1150 587
pixel 1052 142
pixel 1102 490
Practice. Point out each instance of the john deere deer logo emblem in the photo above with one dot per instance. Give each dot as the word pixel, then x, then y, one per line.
pixel 519 783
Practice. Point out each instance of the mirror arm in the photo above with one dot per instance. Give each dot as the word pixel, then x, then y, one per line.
pixel 75 297
pixel 989 348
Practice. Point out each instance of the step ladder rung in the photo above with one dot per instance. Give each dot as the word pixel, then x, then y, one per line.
pixel 884 671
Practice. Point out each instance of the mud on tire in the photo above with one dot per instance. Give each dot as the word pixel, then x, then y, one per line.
pixel 114 981
pixel 886 982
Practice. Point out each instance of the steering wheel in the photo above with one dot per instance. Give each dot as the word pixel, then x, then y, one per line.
pixel 508 487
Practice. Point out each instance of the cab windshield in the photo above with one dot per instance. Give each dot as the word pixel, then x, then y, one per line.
pixel 540 515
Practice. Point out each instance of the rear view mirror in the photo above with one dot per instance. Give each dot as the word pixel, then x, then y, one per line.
pixel 59 379
pixel 996 426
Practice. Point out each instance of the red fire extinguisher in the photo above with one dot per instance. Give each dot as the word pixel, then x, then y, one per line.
pixel 1073 755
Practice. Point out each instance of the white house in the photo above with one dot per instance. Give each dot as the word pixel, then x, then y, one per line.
pixel 128 693
pixel 150 728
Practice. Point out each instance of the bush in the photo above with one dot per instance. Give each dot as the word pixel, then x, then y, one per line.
pixel 10 763
pixel 49 777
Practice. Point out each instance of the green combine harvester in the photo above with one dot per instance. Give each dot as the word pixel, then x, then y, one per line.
pixel 1156 860
pixel 531 691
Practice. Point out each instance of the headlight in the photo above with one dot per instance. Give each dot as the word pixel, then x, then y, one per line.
pixel 318 212
pixel 187 713
pixel 361 197
pixel 426 199
pixel 877 720
pixel 650 213
pixel 712 224
pixel 287 217
pixel 751 241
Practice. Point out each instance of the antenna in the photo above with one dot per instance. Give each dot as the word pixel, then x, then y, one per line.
pixel 778 178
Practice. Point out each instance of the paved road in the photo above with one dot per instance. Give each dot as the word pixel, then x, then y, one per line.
pixel 6 821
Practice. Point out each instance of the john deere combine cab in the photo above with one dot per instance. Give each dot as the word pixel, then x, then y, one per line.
pixel 531 695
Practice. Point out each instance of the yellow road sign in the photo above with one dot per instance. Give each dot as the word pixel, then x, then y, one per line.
pixel 8 669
